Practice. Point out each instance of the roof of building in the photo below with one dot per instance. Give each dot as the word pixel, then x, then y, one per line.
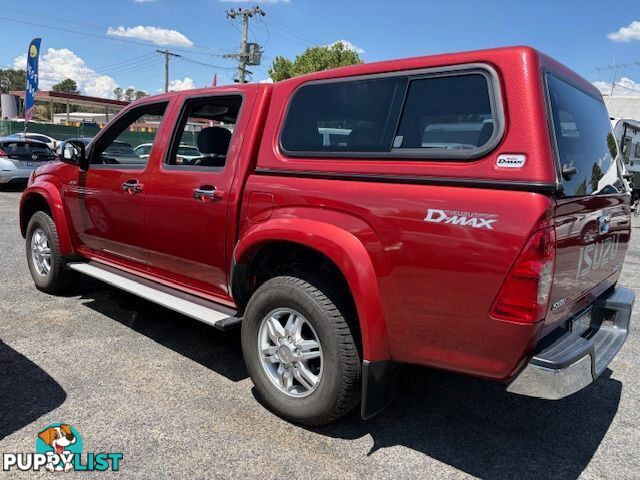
pixel 72 98
pixel 627 107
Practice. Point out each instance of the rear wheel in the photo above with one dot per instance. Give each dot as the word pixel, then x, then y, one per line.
pixel 300 351
pixel 43 255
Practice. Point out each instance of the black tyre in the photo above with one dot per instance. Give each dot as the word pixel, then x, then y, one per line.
pixel 43 255
pixel 300 351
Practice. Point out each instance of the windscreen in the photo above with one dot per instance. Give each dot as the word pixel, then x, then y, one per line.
pixel 584 140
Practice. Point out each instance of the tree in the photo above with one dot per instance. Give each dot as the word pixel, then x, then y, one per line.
pixel 118 92
pixel 11 79
pixel 314 59
pixel 66 86
pixel 129 94
pixel 141 94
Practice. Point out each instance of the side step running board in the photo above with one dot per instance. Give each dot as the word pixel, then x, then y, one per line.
pixel 219 316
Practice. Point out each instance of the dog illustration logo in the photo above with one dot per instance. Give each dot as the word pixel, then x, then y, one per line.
pixel 61 442
pixel 59 449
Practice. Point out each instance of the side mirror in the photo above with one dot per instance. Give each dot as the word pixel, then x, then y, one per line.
pixel 73 152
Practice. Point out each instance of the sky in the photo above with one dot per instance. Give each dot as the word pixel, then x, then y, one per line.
pixel 106 44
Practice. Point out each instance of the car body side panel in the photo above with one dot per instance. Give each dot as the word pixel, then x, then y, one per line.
pixel 437 280
pixel 45 187
pixel 341 247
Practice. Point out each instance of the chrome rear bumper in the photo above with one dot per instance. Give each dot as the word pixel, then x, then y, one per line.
pixel 566 362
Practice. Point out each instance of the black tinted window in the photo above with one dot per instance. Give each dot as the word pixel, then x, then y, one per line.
pixel 355 116
pixel 22 148
pixel 446 112
pixel 584 140
pixel 436 114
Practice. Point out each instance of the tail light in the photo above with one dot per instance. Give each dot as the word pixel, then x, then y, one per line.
pixel 524 295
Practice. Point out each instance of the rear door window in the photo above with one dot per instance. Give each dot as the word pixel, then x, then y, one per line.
pixel 430 115
pixel 584 140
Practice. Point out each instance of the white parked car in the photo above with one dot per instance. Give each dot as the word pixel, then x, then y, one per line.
pixel 51 142
pixel 187 152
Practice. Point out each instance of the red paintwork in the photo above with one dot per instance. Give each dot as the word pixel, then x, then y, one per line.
pixel 423 291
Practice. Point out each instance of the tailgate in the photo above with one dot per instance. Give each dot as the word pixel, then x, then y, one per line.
pixel 592 237
pixel 592 217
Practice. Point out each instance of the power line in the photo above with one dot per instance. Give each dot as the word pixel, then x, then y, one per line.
pixel 245 57
pixel 75 22
pixel 196 62
pixel 613 67
pixel 167 55
pixel 107 37
pixel 293 31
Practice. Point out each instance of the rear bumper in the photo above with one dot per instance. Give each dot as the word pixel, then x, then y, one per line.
pixel 566 362
pixel 15 176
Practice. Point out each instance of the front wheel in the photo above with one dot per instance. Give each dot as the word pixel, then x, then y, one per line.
pixel 43 255
pixel 300 351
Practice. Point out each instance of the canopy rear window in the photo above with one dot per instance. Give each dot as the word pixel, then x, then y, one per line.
pixel 584 140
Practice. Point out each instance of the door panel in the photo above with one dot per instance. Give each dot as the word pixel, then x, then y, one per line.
pixel 107 219
pixel 106 203
pixel 186 236
pixel 187 199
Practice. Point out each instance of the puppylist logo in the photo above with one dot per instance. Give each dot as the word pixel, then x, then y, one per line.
pixel 59 449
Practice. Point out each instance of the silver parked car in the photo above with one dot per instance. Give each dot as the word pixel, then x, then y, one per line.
pixel 18 158
pixel 51 142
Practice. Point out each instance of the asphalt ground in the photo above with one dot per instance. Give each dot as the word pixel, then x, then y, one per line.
pixel 173 396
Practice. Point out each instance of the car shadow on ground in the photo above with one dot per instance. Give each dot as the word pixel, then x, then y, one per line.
pixel 479 428
pixel 26 391
pixel 473 425
pixel 211 348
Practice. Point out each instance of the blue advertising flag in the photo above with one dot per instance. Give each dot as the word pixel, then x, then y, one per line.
pixel 31 86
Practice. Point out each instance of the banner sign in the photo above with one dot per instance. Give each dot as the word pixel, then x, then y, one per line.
pixel 32 79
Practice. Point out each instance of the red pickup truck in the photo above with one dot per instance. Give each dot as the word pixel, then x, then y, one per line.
pixel 463 212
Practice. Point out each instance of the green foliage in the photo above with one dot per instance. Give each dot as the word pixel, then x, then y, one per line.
pixel 281 69
pixel 314 59
pixel 612 144
pixel 66 86
pixel 11 79
pixel 596 175
pixel 118 92
pixel 129 94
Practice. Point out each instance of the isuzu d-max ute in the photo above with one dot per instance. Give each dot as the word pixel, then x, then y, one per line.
pixel 463 212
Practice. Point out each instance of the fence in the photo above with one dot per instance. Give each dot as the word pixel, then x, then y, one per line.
pixel 63 132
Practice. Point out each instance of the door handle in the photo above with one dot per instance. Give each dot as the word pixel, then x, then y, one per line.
pixel 207 194
pixel 132 187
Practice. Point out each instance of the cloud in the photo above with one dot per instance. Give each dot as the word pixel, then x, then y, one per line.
pixel 255 1
pixel 185 84
pixel 624 86
pixel 349 46
pixel 59 64
pixel 157 35
pixel 626 34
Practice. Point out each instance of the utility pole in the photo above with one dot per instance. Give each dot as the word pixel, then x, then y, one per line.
pixel 167 55
pixel 244 57
pixel 614 67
